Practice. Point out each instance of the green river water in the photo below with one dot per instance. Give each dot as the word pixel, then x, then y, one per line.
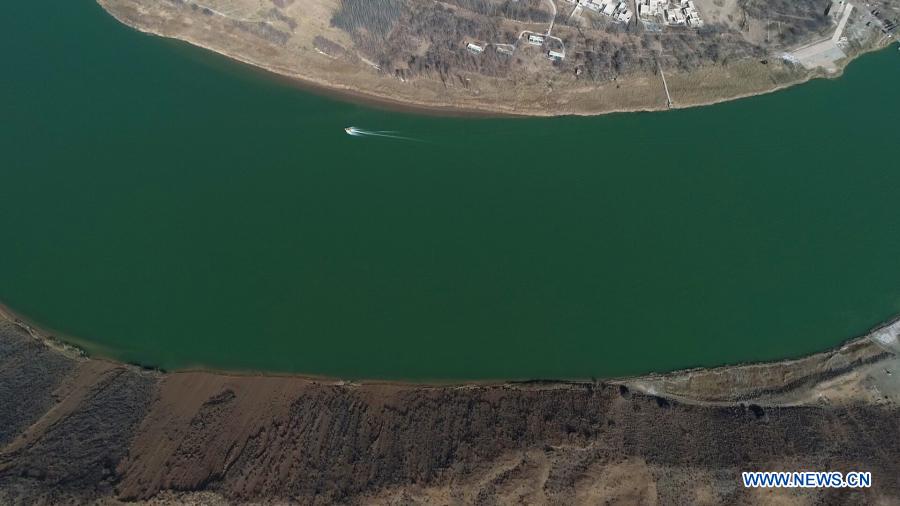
pixel 165 206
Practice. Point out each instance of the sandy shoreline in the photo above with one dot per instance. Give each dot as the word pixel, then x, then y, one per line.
pixel 81 428
pixel 76 348
pixel 340 91
pixel 320 86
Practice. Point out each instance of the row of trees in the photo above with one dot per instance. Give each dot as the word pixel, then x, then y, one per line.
pixel 419 37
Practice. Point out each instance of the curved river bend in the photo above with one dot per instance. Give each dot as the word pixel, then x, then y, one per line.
pixel 175 209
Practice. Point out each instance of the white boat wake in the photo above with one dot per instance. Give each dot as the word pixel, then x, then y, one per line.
pixel 388 134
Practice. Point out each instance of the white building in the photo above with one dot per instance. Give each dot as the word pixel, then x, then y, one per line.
pixel 475 48
pixel 675 17
pixel 672 12
pixel 624 16
pixel 693 20
pixel 555 55
pixel 537 40
pixel 691 14
pixel 651 8
pixel 684 13
pixel 615 9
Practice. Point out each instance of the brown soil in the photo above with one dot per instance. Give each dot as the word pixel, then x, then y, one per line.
pixel 324 57
pixel 83 430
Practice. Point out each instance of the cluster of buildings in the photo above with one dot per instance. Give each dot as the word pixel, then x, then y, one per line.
pixel 681 12
pixel 649 9
pixel 538 40
pixel 477 48
pixel 671 12
pixel 615 9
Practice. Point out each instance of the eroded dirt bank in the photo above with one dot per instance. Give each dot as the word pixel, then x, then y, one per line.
pixel 79 429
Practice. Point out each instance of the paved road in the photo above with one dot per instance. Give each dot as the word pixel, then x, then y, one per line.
pixel 848 8
pixel 826 52
pixel 552 19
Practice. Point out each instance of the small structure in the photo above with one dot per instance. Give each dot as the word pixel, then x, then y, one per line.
pixel 675 17
pixel 535 40
pixel 671 12
pixel 691 14
pixel 556 55
pixel 615 9
pixel 651 8
pixel 683 13
pixel 624 16
pixel 474 48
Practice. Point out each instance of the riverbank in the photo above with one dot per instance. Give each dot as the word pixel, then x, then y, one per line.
pixel 87 430
pixel 198 211
pixel 314 70
pixel 727 383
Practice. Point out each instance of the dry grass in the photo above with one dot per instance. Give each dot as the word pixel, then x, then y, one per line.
pixel 290 40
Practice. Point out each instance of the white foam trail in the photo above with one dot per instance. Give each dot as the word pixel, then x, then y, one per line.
pixel 388 134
